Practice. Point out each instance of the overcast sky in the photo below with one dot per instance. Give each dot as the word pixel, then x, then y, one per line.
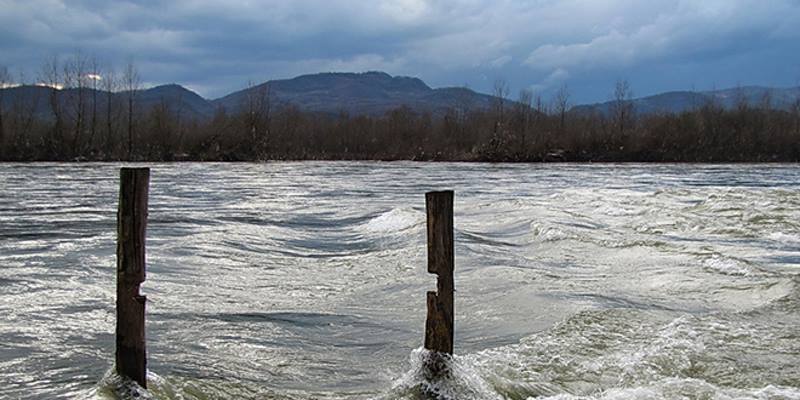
pixel 215 47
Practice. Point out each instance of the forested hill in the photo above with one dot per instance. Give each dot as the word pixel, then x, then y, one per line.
pixel 369 93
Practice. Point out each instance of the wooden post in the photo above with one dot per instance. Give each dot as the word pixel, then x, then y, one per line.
pixel 439 324
pixel 131 355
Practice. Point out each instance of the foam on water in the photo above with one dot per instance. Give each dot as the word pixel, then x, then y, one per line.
pixel 728 266
pixel 616 354
pixel 550 232
pixel 676 388
pixel 394 220
pixel 114 386
pixel 792 239
pixel 463 381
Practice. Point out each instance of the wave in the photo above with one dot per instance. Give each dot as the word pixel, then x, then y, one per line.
pixel 787 239
pixel 394 220
pixel 463 380
pixel 544 232
pixel 115 386
pixel 677 388
pixel 615 354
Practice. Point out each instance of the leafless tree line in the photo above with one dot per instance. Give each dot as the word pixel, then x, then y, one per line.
pixel 85 115
pixel 94 113
pixel 529 129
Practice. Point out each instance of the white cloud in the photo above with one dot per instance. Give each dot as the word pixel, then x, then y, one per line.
pixel 554 79
pixel 403 11
pixel 359 63
pixel 683 28
pixel 501 61
pixel 611 49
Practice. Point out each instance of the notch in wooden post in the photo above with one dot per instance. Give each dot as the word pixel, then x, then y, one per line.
pixel 131 356
pixel 439 324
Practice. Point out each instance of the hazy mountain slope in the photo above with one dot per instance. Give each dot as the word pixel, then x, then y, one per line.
pixel 676 102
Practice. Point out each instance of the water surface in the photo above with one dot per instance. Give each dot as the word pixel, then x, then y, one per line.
pixel 307 280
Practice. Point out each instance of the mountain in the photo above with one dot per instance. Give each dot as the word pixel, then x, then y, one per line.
pixel 371 93
pixel 189 103
pixel 677 102
pixel 175 97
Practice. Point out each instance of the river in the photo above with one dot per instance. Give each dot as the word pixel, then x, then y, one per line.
pixel 307 280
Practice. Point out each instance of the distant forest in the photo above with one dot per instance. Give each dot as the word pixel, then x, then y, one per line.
pixel 92 119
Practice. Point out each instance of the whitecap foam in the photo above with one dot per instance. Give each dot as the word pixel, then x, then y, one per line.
pixel 464 381
pixel 683 388
pixel 791 239
pixel 728 266
pixel 394 220
pixel 671 348
pixel 549 233
pixel 114 386
pixel 605 355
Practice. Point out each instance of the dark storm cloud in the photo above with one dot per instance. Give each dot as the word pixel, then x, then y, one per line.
pixel 215 47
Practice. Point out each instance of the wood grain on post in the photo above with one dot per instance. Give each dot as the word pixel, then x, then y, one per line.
pixel 439 324
pixel 131 356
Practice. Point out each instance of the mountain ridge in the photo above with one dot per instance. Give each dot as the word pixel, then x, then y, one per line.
pixel 371 93
pixel 374 93
pixel 683 100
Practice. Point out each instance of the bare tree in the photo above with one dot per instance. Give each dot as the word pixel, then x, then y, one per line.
pixel 109 84
pixel 75 81
pixel 179 124
pixel 464 106
pixel 23 111
pixel 5 82
pixel 561 106
pixel 740 100
pixel 51 77
pixel 524 111
pixel 160 131
pixel 499 98
pixel 622 106
pixel 258 109
pixel 94 78
pixel 131 84
pixel 710 116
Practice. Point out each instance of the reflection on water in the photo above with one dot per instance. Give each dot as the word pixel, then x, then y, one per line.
pixel 307 280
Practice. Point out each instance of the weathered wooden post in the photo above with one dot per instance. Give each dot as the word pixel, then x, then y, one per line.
pixel 131 355
pixel 439 324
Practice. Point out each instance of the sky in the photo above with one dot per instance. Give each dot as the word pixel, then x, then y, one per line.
pixel 217 47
